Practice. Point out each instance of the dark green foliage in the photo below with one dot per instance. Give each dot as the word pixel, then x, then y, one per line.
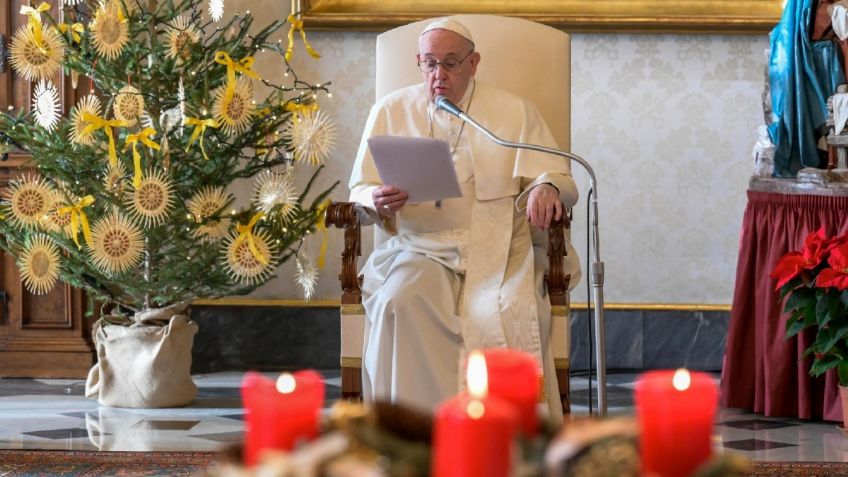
pixel 79 170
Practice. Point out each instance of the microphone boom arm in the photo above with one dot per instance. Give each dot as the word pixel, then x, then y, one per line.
pixel 597 271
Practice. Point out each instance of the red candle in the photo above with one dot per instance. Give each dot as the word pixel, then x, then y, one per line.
pixel 474 433
pixel 515 377
pixel 281 414
pixel 676 410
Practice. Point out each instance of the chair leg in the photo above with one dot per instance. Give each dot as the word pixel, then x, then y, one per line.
pixel 352 383
pixel 563 382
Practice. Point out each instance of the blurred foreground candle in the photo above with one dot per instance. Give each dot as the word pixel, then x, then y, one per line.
pixel 474 433
pixel 514 376
pixel 676 410
pixel 282 413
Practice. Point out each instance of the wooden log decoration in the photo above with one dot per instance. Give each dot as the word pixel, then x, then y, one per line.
pixel 343 215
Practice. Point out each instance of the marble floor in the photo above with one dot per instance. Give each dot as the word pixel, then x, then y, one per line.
pixel 54 414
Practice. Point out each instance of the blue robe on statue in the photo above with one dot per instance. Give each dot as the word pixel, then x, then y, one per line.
pixel 802 74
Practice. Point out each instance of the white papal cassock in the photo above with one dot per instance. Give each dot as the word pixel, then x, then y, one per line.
pixel 461 276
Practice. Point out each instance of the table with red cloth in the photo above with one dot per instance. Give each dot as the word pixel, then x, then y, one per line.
pixel 763 371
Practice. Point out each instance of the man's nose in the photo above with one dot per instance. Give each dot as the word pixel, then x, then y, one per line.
pixel 440 71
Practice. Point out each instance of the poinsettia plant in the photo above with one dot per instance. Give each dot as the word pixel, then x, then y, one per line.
pixel 814 282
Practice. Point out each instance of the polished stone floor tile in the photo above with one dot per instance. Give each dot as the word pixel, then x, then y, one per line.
pixel 59 433
pixel 754 445
pixel 225 437
pixel 239 417
pixel 54 414
pixel 756 424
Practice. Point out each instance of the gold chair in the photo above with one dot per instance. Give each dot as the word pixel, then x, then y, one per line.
pixel 527 58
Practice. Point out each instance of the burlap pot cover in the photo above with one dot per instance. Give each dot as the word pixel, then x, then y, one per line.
pixel 143 361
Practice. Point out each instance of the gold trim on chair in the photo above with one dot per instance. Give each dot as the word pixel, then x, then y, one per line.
pixel 560 310
pixel 656 306
pixel 561 363
pixel 347 362
pixel 334 303
pixel 352 310
pixel 640 16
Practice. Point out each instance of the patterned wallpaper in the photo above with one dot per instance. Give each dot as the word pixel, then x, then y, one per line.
pixel 667 121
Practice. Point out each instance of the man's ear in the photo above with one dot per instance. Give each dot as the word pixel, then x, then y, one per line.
pixel 475 60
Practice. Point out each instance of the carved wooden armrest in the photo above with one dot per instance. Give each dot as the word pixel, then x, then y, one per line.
pixel 556 278
pixel 343 215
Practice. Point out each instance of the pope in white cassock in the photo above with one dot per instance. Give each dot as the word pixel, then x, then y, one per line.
pixel 459 274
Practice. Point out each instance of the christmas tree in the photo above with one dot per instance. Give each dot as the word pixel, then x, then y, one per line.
pixel 127 197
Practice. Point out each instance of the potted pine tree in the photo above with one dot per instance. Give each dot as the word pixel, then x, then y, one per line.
pixel 129 196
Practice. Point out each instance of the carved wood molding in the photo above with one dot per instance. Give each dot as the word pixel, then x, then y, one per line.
pixel 343 215
pixel 556 279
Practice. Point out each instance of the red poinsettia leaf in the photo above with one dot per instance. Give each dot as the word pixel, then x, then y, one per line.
pixel 787 268
pixel 839 258
pixel 832 278
pixel 816 247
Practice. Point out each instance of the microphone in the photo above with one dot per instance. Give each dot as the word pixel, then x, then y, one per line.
pixel 597 266
pixel 445 104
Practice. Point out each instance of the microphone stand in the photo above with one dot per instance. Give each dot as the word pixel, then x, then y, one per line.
pixel 597 266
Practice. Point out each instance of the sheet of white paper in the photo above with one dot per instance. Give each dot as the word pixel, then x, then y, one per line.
pixel 421 167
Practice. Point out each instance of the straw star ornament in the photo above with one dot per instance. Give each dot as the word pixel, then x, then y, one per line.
pixel 39 264
pixel 116 245
pixel 206 208
pixel 45 105
pixel 90 105
pixel 29 199
pixel 216 9
pixel 312 134
pixel 37 55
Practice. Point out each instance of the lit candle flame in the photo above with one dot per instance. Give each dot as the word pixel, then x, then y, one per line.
pixel 477 375
pixel 286 383
pixel 681 380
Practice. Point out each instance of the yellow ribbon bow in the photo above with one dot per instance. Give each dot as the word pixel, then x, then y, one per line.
pixel 95 123
pixel 243 66
pixel 200 126
pixel 321 227
pixel 142 136
pixel 298 25
pixel 78 217
pixel 34 22
pixel 75 30
pixel 301 108
pixel 245 232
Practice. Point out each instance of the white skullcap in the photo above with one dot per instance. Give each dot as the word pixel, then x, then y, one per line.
pixel 450 25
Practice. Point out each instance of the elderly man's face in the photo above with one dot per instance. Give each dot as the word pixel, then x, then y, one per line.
pixel 440 45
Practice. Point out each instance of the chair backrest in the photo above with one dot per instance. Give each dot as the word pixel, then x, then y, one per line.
pixel 521 56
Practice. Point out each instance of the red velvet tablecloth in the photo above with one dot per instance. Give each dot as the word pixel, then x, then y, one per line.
pixel 762 371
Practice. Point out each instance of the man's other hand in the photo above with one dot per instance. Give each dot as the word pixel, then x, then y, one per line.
pixel 388 200
pixel 543 205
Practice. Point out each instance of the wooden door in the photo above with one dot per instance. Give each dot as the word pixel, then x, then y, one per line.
pixel 44 336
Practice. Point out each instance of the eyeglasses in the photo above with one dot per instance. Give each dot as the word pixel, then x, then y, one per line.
pixel 429 65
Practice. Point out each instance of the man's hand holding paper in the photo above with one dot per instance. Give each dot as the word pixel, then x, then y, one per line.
pixel 414 169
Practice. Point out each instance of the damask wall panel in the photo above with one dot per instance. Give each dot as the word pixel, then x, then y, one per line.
pixel 667 121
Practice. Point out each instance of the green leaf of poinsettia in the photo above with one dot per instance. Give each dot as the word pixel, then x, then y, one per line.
pixel 820 366
pixel 842 371
pixel 822 311
pixel 793 327
pixel 827 345
pixel 802 297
